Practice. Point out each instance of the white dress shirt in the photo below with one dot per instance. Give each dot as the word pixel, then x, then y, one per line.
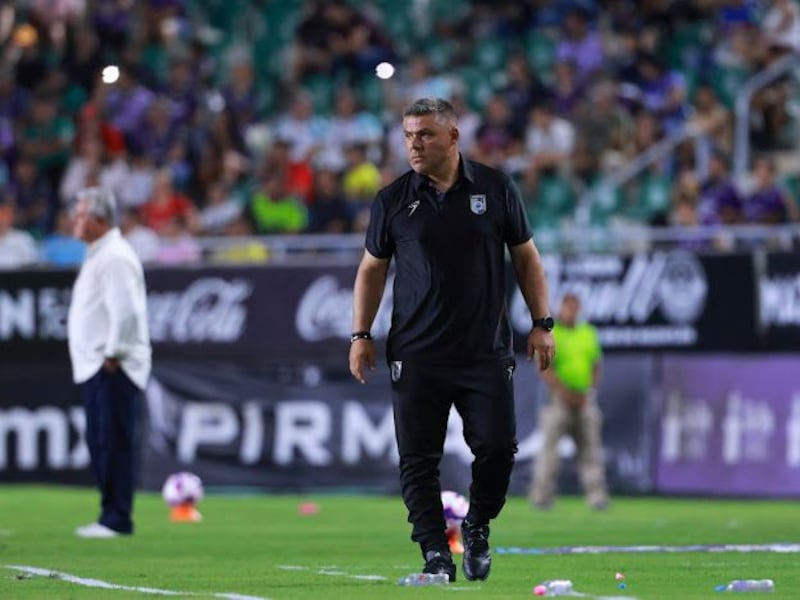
pixel 108 312
pixel 17 249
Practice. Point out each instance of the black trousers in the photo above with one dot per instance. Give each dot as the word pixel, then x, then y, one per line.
pixel 484 397
pixel 112 403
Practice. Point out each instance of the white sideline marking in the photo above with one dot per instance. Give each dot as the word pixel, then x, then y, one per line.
pixel 99 583
pixel 334 571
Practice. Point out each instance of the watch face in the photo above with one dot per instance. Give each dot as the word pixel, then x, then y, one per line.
pixel 545 323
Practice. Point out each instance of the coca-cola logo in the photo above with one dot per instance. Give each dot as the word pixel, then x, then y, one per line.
pixel 211 309
pixel 326 308
pixel 673 284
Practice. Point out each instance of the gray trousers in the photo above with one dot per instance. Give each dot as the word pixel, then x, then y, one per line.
pixel 584 424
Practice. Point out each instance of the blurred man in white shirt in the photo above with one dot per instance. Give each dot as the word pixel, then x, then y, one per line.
pixel 109 346
pixel 17 247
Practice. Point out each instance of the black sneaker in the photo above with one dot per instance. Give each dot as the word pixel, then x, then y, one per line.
pixel 477 560
pixel 437 561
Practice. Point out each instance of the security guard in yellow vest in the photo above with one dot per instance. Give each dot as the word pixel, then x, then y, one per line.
pixel 572 409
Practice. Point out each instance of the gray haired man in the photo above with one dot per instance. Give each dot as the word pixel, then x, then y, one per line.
pixel 109 346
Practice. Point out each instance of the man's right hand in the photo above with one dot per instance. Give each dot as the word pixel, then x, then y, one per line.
pixel 362 354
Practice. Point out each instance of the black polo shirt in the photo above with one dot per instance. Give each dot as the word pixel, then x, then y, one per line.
pixel 449 253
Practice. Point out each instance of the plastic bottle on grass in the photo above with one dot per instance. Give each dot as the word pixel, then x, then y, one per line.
pixel 558 587
pixel 748 585
pixel 424 579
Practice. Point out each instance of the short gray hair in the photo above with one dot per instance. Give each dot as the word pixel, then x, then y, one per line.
pixel 439 107
pixel 100 202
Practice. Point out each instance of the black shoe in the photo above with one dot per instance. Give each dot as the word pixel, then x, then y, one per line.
pixel 477 560
pixel 437 561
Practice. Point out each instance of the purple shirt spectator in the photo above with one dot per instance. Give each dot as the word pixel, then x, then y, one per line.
pixel 661 91
pixel 127 102
pixel 14 100
pixel 113 22
pixel 737 13
pixel 579 45
pixel 766 206
pixel 568 91
pixel 182 90
pixel 720 203
pixel 158 132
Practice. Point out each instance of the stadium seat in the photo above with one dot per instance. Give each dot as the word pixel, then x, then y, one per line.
pixel 792 183
pixel 727 81
pixel 684 48
pixel 650 197
pixel 397 22
pixel 320 87
pixel 477 86
pixel 540 48
pixel 605 203
pixel 555 195
pixel 489 54
pixel 546 238
pixel 439 53
pixel 370 93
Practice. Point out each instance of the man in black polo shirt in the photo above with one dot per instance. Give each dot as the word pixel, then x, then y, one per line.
pixel 447 223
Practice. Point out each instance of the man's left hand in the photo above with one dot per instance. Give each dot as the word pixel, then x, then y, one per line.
pixel 542 346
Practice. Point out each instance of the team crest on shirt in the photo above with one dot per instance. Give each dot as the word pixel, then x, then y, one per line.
pixel 477 203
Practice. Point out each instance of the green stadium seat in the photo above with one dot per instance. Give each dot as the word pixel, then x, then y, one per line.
pixel 605 203
pixel 439 53
pixel 650 197
pixel 449 11
pixel 489 54
pixel 320 87
pixel 555 195
pixel 397 21
pixel 727 81
pixel 370 93
pixel 547 238
pixel 682 49
pixel 540 48
pixel 477 86
pixel 792 183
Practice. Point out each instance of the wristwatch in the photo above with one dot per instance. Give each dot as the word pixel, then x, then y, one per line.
pixel 545 323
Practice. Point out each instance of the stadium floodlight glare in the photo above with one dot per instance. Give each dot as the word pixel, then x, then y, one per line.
pixel 384 70
pixel 110 74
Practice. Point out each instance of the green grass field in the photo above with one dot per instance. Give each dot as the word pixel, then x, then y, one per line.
pixel 246 542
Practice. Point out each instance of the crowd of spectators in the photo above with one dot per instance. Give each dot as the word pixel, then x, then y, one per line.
pixel 214 118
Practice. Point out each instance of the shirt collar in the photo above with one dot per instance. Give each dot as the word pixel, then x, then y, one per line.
pixel 464 172
pixel 104 240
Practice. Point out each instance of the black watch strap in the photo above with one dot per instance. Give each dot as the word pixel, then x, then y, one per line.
pixel 545 323
pixel 360 335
